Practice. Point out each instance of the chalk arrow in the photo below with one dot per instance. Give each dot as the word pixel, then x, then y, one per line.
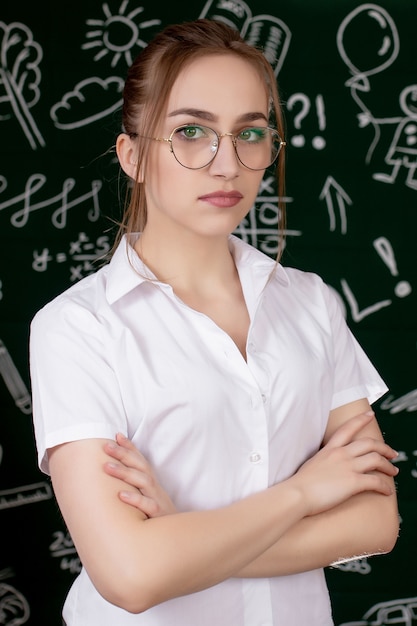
pixel 333 194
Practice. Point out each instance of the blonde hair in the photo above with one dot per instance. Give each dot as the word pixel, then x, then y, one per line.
pixel 148 85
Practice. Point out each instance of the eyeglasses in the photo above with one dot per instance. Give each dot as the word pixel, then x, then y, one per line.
pixel 195 146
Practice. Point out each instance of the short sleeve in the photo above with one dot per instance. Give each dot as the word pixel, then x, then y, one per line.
pixel 355 376
pixel 75 393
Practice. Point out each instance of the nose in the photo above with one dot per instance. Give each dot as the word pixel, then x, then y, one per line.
pixel 225 163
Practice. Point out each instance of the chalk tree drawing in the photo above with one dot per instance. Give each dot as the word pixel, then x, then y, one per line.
pixel 368 22
pixel 20 77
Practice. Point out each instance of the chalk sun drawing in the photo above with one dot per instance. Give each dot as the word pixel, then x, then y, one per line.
pixel 117 34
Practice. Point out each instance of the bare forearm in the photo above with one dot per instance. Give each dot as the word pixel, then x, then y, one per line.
pixel 365 524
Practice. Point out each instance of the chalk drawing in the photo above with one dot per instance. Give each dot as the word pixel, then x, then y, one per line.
pixel 266 32
pixel 14 382
pixel 302 102
pixel 34 184
pixel 117 34
pixel 401 612
pixel 20 77
pixel 363 60
pixel 335 195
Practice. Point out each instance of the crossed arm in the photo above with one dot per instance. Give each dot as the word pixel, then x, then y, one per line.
pixel 340 503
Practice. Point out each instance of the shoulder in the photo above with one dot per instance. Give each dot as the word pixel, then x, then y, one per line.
pixel 82 300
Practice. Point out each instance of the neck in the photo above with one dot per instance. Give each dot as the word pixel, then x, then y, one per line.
pixel 188 262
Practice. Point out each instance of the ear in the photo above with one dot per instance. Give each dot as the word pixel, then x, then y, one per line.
pixel 126 150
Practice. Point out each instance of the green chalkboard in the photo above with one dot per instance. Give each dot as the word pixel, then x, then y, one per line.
pixel 347 74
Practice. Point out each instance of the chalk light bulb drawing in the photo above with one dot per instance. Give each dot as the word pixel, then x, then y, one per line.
pixel 117 34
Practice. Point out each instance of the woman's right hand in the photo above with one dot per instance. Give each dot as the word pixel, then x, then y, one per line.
pixel 346 466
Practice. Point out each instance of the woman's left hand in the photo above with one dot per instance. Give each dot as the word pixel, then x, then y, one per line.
pixel 130 466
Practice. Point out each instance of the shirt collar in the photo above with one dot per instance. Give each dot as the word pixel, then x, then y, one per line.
pixel 126 271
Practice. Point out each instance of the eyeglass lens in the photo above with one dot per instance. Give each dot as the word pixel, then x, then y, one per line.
pixel 195 146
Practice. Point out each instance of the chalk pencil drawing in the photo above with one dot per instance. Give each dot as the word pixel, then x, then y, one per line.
pixel 20 77
pixel 14 381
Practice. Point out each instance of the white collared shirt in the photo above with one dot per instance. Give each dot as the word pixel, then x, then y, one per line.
pixel 120 352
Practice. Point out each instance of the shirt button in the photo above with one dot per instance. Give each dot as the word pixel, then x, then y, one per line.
pixel 264 398
pixel 255 457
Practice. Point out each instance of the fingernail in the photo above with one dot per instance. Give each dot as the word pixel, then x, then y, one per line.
pixel 369 413
pixel 126 494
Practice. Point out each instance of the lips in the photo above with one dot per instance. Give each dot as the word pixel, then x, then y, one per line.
pixel 222 199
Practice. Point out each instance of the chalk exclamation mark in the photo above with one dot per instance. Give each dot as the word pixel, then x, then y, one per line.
pixel 385 251
pixel 319 142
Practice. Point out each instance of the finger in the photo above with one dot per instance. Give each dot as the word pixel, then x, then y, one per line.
pixel 347 431
pixel 125 442
pixel 148 506
pixel 127 456
pixel 133 477
pixel 375 462
pixel 377 483
pixel 364 445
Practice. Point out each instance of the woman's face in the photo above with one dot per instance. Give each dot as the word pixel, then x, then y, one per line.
pixel 226 94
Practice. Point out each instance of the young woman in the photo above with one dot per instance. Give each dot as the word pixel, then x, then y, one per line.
pixel 238 380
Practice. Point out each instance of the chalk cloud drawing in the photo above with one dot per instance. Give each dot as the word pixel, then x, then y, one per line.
pixel 266 31
pixel 20 76
pixel 368 43
pixel 117 34
pixel 78 107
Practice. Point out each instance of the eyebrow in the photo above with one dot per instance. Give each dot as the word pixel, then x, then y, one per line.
pixel 209 117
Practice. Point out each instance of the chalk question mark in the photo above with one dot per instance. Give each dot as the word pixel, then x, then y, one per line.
pixel 298 141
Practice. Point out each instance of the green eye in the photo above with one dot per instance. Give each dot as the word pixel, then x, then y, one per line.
pixel 253 135
pixel 191 132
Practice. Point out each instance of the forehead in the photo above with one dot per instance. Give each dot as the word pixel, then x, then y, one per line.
pixel 224 85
